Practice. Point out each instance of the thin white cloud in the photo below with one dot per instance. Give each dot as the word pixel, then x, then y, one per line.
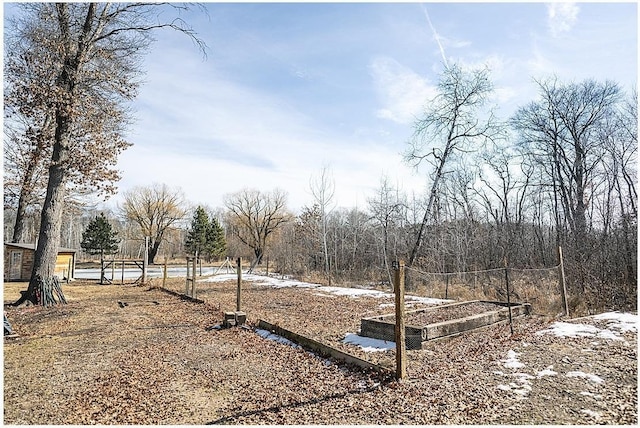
pixel 436 36
pixel 561 17
pixel 403 92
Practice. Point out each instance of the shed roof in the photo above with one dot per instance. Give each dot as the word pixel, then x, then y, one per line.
pixel 33 247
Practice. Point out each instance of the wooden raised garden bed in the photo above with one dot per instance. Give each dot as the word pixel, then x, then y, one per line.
pixel 441 321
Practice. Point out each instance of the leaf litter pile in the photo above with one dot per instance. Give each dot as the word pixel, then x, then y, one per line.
pixel 138 355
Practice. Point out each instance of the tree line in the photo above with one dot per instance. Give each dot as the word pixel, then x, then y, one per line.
pixel 560 172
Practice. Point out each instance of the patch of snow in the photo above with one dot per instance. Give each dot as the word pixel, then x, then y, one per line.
pixel 522 388
pixel 566 329
pixel 261 279
pixel 512 360
pixel 352 292
pixel 337 291
pixel 522 384
pixel 415 300
pixel 523 376
pixel 425 300
pixel 368 344
pixel 276 338
pixel 546 372
pixel 590 394
pixel 589 376
pixel 617 322
pixel 591 413
pixel 621 321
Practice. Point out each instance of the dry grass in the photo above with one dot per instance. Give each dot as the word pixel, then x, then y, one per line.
pixel 540 288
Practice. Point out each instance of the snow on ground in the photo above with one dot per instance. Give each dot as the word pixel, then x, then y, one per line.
pixel 336 291
pixel 276 338
pixel 546 372
pixel 620 321
pixel 368 344
pixel 512 360
pixel 261 279
pixel 521 386
pixel 567 329
pixel 595 415
pixel 589 376
pixel 617 323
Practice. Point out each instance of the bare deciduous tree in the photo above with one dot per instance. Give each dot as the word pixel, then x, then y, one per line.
pixel 255 216
pixel 323 191
pixel 560 131
pixel 386 208
pixel 451 123
pixel 156 210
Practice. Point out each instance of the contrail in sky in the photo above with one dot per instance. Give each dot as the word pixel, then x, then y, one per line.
pixel 435 35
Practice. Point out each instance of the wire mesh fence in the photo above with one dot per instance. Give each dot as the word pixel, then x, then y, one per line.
pixel 539 287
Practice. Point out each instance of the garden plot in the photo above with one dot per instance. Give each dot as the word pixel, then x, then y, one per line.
pixel 446 320
pixel 575 372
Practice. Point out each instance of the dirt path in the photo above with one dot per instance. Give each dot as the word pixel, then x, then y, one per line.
pixel 153 359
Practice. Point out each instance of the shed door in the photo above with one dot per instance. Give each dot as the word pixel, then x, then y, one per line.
pixel 15 268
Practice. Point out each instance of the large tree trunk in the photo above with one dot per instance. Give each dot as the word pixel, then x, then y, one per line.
pixel 153 250
pixel 42 285
pixel 259 253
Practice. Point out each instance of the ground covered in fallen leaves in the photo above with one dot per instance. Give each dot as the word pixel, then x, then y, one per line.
pixel 135 355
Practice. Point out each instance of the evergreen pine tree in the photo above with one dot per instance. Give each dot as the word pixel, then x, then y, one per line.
pixel 99 237
pixel 216 244
pixel 196 240
pixel 205 236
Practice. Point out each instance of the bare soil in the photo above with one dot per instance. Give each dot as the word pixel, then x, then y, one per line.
pixel 135 355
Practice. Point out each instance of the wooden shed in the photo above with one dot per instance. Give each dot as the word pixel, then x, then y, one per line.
pixel 18 262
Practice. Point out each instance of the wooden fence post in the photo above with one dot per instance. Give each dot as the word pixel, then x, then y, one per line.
pixel 145 261
pixel 401 350
pixel 186 285
pixel 164 273
pixel 239 290
pixel 563 284
pixel 193 279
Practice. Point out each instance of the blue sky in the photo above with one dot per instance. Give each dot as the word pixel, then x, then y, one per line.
pixel 289 88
